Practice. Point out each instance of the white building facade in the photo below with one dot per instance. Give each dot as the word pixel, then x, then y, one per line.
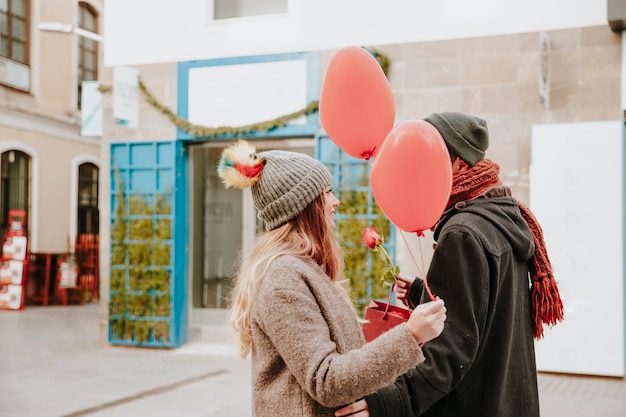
pixel 543 75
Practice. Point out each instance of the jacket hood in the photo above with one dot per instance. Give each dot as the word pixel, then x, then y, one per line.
pixel 498 207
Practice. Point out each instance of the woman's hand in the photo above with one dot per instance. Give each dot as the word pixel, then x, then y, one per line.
pixel 403 287
pixel 356 409
pixel 427 320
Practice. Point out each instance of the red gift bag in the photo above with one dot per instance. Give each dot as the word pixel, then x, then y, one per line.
pixel 381 317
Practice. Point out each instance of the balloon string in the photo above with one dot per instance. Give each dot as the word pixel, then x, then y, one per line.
pixel 419 269
pixel 422 269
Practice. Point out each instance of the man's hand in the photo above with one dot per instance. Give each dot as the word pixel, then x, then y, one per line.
pixel 356 409
pixel 403 287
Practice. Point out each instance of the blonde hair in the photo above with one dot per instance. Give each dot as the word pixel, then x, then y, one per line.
pixel 307 236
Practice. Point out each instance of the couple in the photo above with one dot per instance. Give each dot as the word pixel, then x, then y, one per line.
pixel 292 313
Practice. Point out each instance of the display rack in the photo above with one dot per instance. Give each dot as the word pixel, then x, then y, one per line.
pixel 14 262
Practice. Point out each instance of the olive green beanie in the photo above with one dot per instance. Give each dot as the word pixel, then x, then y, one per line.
pixel 466 135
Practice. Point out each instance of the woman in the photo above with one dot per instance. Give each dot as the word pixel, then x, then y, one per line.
pixel 289 308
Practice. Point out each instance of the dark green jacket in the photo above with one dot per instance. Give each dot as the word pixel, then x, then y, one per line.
pixel 483 364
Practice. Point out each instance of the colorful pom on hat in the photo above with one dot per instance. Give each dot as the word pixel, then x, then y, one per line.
pixel 239 166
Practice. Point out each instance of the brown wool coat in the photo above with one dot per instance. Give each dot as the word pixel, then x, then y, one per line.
pixel 309 357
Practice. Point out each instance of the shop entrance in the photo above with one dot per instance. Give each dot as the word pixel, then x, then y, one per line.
pixel 222 226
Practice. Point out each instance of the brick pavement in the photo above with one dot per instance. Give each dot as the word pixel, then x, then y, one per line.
pixel 52 365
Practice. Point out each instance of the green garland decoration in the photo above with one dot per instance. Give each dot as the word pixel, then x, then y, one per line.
pixel 205 132
pixel 214 132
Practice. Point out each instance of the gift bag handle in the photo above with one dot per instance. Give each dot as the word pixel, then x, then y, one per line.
pixel 389 302
pixel 393 286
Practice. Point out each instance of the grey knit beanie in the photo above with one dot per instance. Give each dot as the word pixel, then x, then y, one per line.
pixel 466 135
pixel 283 183
pixel 289 182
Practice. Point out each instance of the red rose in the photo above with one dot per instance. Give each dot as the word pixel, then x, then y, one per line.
pixel 374 241
pixel 371 238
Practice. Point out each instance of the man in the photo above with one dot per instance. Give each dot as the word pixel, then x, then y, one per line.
pixel 488 246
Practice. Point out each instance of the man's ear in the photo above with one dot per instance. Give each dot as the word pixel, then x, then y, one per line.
pixel 456 165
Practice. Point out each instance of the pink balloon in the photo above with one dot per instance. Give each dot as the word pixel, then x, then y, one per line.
pixel 356 102
pixel 411 176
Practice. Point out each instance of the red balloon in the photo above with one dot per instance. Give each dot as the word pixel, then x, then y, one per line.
pixel 411 176
pixel 356 102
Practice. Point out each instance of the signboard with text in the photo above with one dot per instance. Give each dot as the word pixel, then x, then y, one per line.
pixel 126 96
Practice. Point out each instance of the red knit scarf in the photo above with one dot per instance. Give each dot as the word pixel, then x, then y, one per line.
pixel 547 307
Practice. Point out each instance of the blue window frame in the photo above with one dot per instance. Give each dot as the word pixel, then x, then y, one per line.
pixel 312 62
pixel 147 292
pixel 357 210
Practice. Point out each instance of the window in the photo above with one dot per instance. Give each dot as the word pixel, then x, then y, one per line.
pixel 227 9
pixel 14 30
pixel 88 214
pixel 358 210
pixel 14 185
pixel 87 48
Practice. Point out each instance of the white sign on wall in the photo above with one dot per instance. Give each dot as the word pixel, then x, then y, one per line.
pixel 91 109
pixel 241 94
pixel 126 96
pixel 581 211
pixel 14 74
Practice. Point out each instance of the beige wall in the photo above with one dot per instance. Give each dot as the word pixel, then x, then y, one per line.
pixel 57 54
pixel 45 123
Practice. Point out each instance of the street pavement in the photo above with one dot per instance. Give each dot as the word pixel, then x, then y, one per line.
pixel 53 365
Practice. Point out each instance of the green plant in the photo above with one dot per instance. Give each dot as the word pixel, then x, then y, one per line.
pixel 139 307
pixel 358 211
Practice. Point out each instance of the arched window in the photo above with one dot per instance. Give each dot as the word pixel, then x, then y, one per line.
pixel 15 178
pixel 87 48
pixel 14 30
pixel 88 214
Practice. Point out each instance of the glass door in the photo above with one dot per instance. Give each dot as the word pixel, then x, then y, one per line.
pixel 222 225
pixel 15 183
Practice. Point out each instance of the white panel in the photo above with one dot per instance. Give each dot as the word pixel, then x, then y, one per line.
pixel 150 31
pixel 126 96
pixel 14 74
pixel 623 73
pixel 577 194
pixel 237 95
pixel 91 109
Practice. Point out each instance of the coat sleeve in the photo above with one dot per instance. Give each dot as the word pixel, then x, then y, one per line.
pixel 459 274
pixel 390 401
pixel 415 292
pixel 302 338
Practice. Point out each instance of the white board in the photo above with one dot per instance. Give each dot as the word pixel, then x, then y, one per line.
pixel 577 194
pixel 179 31
pixel 245 93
